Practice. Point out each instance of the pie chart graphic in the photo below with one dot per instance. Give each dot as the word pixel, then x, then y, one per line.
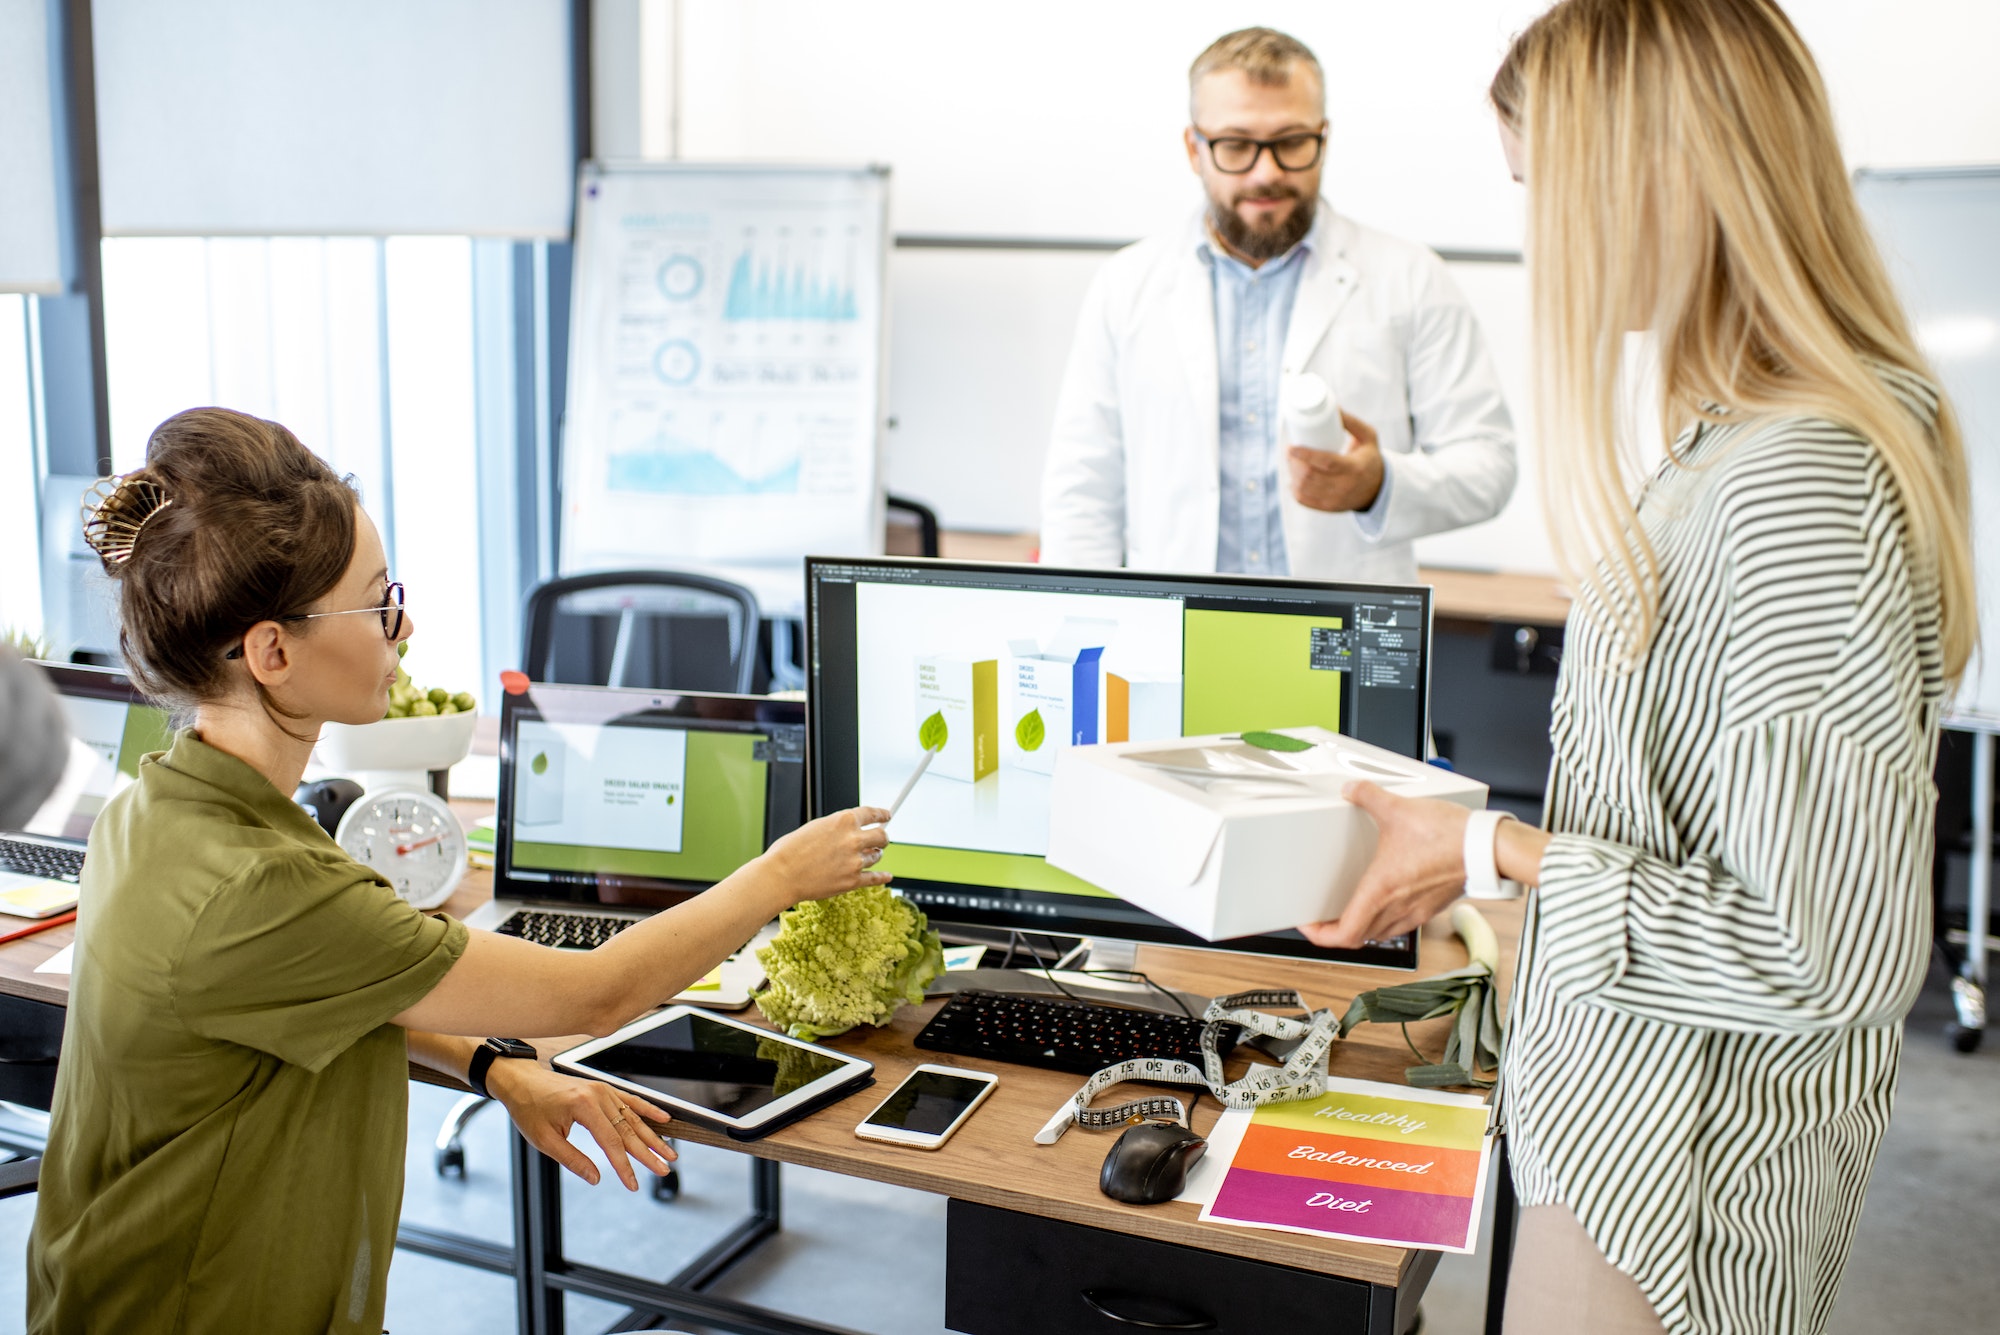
pixel 680 278
pixel 677 362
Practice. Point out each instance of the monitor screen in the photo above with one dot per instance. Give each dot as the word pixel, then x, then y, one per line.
pixel 641 797
pixel 1011 663
pixel 110 727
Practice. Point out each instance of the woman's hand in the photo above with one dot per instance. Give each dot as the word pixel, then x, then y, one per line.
pixel 1418 869
pixel 545 1105
pixel 831 855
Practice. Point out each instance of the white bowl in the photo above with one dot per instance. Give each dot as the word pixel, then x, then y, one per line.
pixel 437 741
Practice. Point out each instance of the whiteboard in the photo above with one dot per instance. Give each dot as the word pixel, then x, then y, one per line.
pixel 1938 232
pixel 726 371
pixel 972 400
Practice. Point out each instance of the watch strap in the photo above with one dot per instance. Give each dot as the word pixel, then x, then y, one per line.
pixel 1482 872
pixel 489 1052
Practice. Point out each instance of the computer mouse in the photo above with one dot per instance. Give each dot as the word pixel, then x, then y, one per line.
pixel 1150 1163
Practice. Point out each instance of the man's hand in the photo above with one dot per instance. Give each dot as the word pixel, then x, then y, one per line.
pixel 1417 873
pixel 1351 480
pixel 545 1105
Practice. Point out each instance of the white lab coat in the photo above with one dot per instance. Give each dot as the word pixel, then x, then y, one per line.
pixel 1132 476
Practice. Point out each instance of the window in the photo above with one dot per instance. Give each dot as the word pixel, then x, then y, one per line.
pixel 363 347
pixel 20 529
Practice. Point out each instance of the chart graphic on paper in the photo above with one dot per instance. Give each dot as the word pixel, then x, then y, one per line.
pixel 725 381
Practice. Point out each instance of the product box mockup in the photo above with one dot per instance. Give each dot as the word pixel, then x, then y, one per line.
pixel 1226 837
pixel 1055 693
pixel 961 696
pixel 1141 708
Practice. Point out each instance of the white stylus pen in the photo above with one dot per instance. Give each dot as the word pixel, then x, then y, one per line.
pixel 911 782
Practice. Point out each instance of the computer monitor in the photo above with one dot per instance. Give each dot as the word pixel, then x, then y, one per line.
pixel 111 725
pixel 641 798
pixel 893 642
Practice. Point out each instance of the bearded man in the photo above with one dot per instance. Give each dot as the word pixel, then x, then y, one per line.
pixel 1169 449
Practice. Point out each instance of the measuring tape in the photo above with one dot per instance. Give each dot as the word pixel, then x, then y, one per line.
pixel 1303 1076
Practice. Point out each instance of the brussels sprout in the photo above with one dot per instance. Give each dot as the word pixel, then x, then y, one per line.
pixel 423 709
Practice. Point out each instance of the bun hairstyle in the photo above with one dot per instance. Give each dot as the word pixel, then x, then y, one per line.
pixel 230 522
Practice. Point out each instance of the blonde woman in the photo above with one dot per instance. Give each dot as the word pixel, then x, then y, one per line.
pixel 1732 914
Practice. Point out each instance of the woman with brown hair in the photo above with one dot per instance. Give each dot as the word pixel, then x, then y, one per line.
pixel 226 1147
pixel 1732 908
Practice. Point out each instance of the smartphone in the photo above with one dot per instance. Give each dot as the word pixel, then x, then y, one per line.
pixel 928 1106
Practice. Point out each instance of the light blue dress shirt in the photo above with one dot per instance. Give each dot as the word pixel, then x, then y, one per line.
pixel 1253 309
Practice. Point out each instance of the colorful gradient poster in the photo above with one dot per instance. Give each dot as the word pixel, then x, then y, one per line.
pixel 1365 1162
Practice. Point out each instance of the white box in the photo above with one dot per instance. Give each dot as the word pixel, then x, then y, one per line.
pixel 1061 682
pixel 1224 838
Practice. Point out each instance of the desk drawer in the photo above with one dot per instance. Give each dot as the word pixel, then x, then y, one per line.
pixel 1017 1274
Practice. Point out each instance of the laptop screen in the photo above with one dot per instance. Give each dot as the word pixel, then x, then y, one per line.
pixel 110 727
pixel 641 798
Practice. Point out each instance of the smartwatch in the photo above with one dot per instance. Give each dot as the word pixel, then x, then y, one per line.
pixel 490 1051
pixel 1482 874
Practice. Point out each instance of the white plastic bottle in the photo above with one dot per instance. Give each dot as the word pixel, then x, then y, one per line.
pixel 1311 416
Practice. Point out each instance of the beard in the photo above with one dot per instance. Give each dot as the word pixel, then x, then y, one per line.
pixel 1266 242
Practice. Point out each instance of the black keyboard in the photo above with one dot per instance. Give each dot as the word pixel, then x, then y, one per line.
pixel 570 931
pixel 51 862
pixel 1082 1037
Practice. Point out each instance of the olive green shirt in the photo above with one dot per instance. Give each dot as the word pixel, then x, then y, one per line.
pixel 226 1148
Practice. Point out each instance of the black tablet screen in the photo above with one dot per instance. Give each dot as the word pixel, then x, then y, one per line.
pixel 713 1065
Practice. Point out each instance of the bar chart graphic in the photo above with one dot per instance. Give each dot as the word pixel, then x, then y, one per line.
pixel 761 290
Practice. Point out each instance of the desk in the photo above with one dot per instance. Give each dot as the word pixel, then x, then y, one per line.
pixel 1010 1198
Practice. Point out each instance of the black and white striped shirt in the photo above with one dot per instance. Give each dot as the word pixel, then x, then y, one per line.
pixel 1734 915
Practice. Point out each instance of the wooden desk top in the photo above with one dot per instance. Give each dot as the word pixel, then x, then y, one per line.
pixel 1461 595
pixel 993 1160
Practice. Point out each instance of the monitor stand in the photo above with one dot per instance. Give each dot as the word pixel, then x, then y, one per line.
pixel 1122 956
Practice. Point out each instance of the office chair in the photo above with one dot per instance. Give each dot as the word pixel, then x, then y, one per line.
pixel 668 630
pixel 904 514
pixel 664 629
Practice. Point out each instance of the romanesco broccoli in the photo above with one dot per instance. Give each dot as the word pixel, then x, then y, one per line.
pixel 849 960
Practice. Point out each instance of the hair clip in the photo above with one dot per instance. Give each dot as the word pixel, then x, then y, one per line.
pixel 115 510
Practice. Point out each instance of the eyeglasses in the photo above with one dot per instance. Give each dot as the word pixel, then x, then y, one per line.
pixel 1292 153
pixel 390 609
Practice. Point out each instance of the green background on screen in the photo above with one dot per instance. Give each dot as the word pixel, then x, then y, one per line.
pixel 721 829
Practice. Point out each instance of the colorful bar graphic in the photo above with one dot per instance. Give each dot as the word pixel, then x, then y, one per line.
pixel 1368 1214
pixel 1359 1161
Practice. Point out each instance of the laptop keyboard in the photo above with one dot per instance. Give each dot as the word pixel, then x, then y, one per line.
pixel 52 863
pixel 568 931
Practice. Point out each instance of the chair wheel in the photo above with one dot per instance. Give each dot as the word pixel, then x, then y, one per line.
pixel 667 1188
pixel 451 1160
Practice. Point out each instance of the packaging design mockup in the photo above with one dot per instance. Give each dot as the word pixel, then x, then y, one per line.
pixel 1056 692
pixel 961 696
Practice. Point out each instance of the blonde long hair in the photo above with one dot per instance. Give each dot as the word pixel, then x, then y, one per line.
pixel 1683 176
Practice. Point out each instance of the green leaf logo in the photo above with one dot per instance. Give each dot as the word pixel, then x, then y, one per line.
pixel 540 764
pixel 932 733
pixel 1030 731
pixel 1276 741
pixel 670 799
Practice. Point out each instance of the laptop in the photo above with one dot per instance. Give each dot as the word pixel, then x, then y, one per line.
pixel 110 725
pixel 617 803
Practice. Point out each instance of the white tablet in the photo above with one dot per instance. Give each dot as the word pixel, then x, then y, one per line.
pixel 718 1069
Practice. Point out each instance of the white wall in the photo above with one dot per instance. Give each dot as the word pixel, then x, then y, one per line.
pixel 1047 119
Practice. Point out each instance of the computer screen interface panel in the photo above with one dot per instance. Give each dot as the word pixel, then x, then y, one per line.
pixel 1009 664
pixel 642 798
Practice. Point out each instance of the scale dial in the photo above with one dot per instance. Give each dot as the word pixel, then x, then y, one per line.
pixel 412 838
